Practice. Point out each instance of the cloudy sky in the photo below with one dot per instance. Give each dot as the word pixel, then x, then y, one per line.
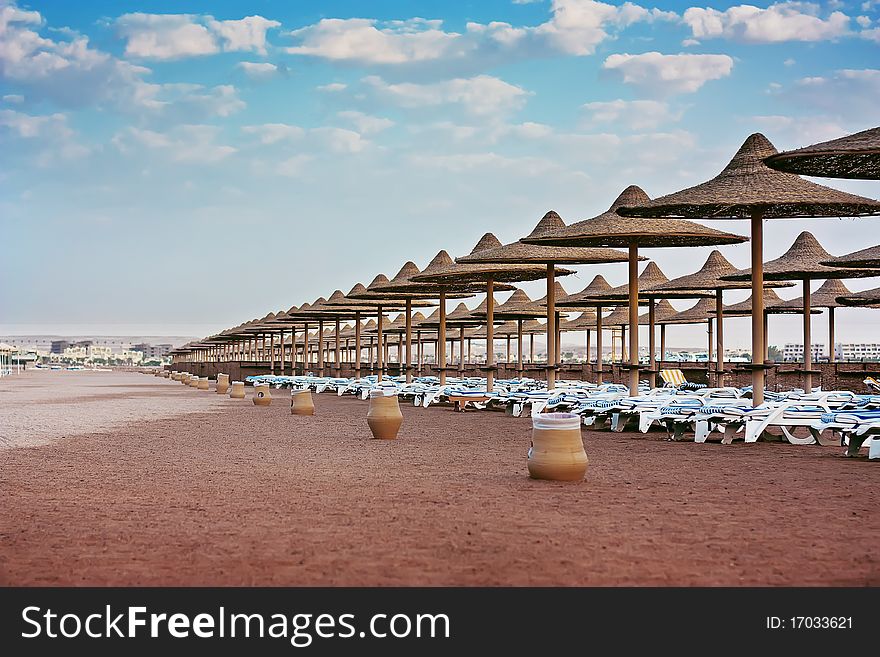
pixel 183 172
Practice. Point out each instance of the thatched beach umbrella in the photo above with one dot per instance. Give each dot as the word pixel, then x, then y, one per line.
pixel 708 278
pixel 461 318
pixel 865 259
pixel 518 307
pixel 363 300
pixel 586 300
pixel 801 262
pixel 489 274
pixel 867 298
pixel 748 189
pixel 403 286
pixel 611 230
pixel 825 297
pixel 855 156
pixel 521 252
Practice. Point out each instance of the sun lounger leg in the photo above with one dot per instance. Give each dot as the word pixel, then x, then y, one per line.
pixel 701 431
pixel 730 431
pixel 874 449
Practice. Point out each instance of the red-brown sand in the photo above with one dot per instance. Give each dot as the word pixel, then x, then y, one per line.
pixel 241 495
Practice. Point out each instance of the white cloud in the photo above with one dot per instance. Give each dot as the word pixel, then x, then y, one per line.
pixel 293 167
pixel 633 114
pixel 50 133
pixel 272 133
pixel 793 132
pixel 873 34
pixel 173 36
pixel 575 27
pixel 669 74
pixel 333 87
pixel 863 21
pixel 789 62
pixel 468 162
pixel 785 21
pixel 184 143
pixel 364 123
pixel 13 99
pixel 851 94
pixel 258 70
pixel 340 140
pixel 869 5
pixel 482 95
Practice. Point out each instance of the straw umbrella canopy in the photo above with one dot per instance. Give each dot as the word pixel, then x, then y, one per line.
pixel 867 298
pixel 801 261
pixel 585 300
pixel 488 273
pixel 362 299
pixel 868 258
pixel 610 229
pixel 855 156
pixel 523 252
pixel 708 277
pixel 402 286
pixel 749 189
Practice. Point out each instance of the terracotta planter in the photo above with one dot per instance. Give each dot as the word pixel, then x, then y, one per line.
pixel 166 374
pixel 301 402
pixel 237 390
pixel 222 384
pixel 193 381
pixel 203 383
pixel 557 449
pixel 384 416
pixel 261 395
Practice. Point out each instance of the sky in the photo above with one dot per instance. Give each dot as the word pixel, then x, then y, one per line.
pixel 181 167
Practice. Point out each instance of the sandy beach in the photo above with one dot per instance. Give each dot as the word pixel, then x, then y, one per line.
pixel 174 486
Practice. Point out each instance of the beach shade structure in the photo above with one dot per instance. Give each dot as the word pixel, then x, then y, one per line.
pixel 699 313
pixel 709 278
pixel 586 300
pixel 867 298
pixel 748 189
pixel 461 318
pixel 489 274
pixel 802 262
pixel 855 156
pixel 362 299
pixel 283 320
pixel 402 286
pixel 770 304
pixel 518 307
pixel 825 297
pixel 611 230
pixel 522 252
pixel 866 258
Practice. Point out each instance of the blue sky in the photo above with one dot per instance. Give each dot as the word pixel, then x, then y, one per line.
pixel 181 167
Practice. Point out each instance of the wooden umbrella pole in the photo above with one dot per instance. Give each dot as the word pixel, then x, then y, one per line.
pixel 519 348
pixel 440 349
pixel 320 347
pixel 551 326
pixel 711 341
pixel 461 351
pixel 408 357
pixel 418 353
pixel 336 360
pixel 281 338
pixel 652 343
pixel 272 351
pixel 306 352
pixel 719 337
pixel 634 318
pixel 508 348
pixel 357 344
pixel 531 347
pixel 599 374
pixel 662 343
pixel 808 340
pixel 757 237
pixel 558 340
pixel 469 358
pixel 490 335
pixel 832 354
pixel 379 345
pixel 766 333
pixel 587 356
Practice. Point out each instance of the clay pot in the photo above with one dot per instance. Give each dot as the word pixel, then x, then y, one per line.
pixel 261 395
pixel 222 384
pixel 384 416
pixel 557 449
pixel 203 383
pixel 301 402
pixel 237 390
pixel 166 374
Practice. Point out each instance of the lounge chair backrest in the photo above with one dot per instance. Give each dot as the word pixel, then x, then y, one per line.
pixel 672 377
pixel 872 383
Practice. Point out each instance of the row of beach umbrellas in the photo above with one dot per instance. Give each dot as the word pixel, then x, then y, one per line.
pixel 758 184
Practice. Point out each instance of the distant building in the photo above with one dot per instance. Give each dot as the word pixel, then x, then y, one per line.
pixel 844 351
pixel 58 346
pixel 152 351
